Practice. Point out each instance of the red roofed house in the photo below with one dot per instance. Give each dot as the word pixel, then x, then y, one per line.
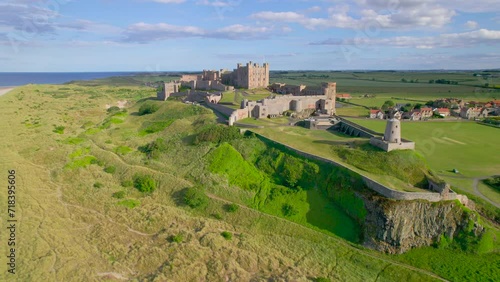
pixel 426 112
pixel 343 96
pixel 376 114
pixel 445 112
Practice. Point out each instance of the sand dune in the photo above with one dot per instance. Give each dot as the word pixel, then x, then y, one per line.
pixel 5 90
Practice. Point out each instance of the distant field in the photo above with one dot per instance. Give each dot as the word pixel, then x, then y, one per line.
pixel 388 84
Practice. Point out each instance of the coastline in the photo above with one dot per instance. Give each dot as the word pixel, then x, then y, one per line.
pixel 6 89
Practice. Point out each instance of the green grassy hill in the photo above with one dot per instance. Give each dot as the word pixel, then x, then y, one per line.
pixel 84 210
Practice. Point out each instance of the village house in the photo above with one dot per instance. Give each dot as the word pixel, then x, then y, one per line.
pixel 444 112
pixel 377 114
pixel 473 113
pixel 425 112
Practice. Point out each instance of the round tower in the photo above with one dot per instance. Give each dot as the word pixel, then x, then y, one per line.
pixel 393 131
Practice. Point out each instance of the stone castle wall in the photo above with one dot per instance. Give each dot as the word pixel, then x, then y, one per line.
pixel 378 187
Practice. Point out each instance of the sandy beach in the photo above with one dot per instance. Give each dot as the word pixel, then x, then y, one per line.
pixel 5 90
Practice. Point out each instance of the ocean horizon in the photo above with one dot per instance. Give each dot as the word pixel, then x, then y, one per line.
pixel 23 78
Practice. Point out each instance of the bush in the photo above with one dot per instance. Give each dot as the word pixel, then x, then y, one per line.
pixel 195 197
pixel 113 109
pixel 98 185
pixel 110 169
pixel 232 207
pixel 119 195
pixel 289 210
pixel 218 134
pixel 177 238
pixel 321 279
pixel 127 183
pixel 148 108
pixel 144 183
pixel 227 235
pixel 59 129
pixel 154 149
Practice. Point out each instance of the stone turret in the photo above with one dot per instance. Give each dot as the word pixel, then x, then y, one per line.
pixel 393 131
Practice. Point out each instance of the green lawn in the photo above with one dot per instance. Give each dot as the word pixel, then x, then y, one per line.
pixel 469 147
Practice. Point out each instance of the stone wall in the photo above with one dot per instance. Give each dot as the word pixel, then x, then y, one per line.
pixel 220 108
pixel 386 146
pixel 378 187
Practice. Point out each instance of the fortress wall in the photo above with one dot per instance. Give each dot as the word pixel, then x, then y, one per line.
pixel 220 108
pixel 374 185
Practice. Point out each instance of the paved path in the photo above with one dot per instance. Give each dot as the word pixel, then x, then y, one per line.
pixel 475 182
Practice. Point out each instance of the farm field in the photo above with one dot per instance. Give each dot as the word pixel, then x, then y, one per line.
pixel 76 163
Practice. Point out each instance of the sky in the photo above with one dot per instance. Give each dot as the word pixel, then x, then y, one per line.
pixel 192 35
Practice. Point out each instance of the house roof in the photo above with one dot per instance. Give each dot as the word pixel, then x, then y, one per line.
pixel 344 95
pixel 374 111
pixel 443 110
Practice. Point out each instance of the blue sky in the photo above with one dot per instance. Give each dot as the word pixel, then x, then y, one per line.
pixel 190 35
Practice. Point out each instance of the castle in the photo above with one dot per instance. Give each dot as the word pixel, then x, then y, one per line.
pixel 321 100
pixel 250 76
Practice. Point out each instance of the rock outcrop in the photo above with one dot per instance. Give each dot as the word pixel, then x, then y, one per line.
pixel 397 226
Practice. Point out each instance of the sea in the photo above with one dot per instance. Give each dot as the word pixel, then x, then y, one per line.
pixel 23 78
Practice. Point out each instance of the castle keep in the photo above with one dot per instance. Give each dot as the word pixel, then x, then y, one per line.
pixel 249 76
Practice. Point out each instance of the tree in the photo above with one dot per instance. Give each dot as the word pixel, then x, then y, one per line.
pixel 388 104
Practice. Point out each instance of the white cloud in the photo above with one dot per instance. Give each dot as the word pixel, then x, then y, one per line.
pixel 471 24
pixel 450 40
pixel 217 3
pixel 169 1
pixel 143 32
pixel 414 14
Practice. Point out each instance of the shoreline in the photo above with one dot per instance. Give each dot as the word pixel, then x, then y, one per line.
pixel 6 89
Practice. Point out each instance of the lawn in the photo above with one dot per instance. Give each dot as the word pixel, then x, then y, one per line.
pixel 467 146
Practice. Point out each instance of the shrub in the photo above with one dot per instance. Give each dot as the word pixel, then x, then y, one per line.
pixel 148 108
pixel 195 197
pixel 59 129
pixel 289 210
pixel 218 134
pixel 113 109
pixel 177 238
pixel 127 183
pixel 217 216
pixel 154 149
pixel 321 279
pixel 119 195
pixel 232 207
pixel 129 203
pixel 227 235
pixel 98 185
pixel 110 169
pixel 144 183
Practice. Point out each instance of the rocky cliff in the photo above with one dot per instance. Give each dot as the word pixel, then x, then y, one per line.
pixel 398 226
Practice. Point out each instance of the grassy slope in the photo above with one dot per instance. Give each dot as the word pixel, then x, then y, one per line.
pixel 70 228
